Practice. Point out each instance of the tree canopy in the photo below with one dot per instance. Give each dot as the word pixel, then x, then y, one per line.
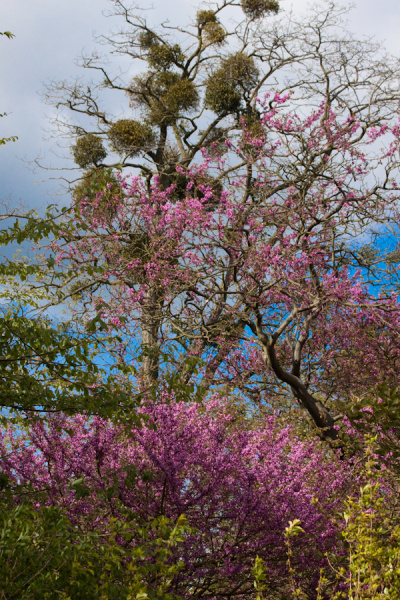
pixel 199 363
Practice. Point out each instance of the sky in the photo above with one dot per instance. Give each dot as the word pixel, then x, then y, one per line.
pixel 49 36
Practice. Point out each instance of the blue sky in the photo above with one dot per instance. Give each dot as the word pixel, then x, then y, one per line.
pixel 50 35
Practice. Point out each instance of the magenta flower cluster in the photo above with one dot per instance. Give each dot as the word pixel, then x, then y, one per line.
pixel 237 486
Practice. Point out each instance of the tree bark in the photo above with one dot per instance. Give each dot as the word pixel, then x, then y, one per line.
pixel 151 322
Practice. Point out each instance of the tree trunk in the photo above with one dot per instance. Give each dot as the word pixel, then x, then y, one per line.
pixel 318 412
pixel 151 322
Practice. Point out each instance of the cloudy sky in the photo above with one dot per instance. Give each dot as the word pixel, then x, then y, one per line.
pixel 50 36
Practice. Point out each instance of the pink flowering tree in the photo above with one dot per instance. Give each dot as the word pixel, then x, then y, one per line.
pixel 261 283
pixel 238 487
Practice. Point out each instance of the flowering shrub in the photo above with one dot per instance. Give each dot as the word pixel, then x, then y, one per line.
pixel 237 486
pixel 370 529
pixel 44 556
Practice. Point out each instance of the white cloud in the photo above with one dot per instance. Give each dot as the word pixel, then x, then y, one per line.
pixel 51 34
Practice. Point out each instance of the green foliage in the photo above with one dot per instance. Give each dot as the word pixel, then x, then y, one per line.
pixel 151 570
pixel 13 138
pixel 204 17
pixel 256 9
pixel 164 95
pixel 222 95
pixel 211 28
pixel 258 573
pixel 374 543
pixel 372 532
pixel 138 246
pixel 179 94
pixel 228 85
pixel 259 570
pixel 214 33
pixel 43 555
pixel 162 56
pixel 3 141
pixel 98 180
pixel 241 70
pixel 128 136
pixel 292 531
pixel 88 150
pixel 377 413
pixel 147 39
pixel 47 366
